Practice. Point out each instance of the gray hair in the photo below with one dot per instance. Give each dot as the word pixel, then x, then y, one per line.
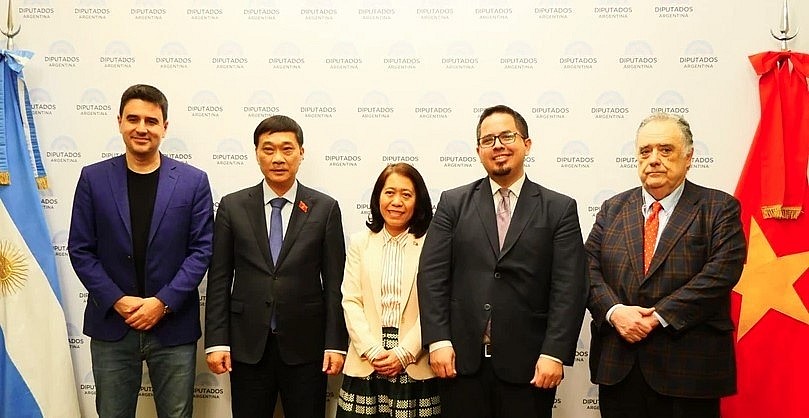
pixel 685 127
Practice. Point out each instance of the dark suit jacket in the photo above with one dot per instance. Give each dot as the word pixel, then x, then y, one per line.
pixel 303 288
pixel 698 260
pixel 535 289
pixel 177 254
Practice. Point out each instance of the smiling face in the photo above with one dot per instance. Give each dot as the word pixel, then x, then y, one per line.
pixel 663 157
pixel 142 127
pixel 397 202
pixel 503 163
pixel 279 156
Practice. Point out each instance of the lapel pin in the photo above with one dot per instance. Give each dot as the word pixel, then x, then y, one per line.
pixel 302 206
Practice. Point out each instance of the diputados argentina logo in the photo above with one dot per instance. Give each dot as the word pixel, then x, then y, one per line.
pixel 35 12
pixel 343 153
pixel 612 12
pixel 319 14
pixel 401 63
pixel 375 112
pixel 41 108
pixel 230 153
pixel 430 112
pixel 550 112
pixel 205 110
pixel 673 12
pixel 63 150
pixel 699 55
pixel 435 13
pixel 493 13
pixel 519 63
pixel 575 154
pixel 553 12
pixel 319 112
pixel 286 63
pixel 95 13
pixel 204 13
pixel 62 61
pixel 374 13
pixel 261 13
pixel 343 63
pixel 230 63
pixel 260 110
pixel 148 13
pixel 93 109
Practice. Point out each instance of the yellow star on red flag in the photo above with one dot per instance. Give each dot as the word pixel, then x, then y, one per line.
pixel 767 282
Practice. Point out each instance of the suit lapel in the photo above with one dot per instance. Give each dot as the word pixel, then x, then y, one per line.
pixel 118 191
pixel 166 183
pixel 484 204
pixel 676 226
pixel 258 222
pixel 632 218
pixel 409 270
pixel 374 263
pixel 527 204
pixel 300 213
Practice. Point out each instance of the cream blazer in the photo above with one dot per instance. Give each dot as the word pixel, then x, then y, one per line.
pixel 362 304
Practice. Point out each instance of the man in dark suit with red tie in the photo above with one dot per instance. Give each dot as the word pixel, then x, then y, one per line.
pixel 663 259
pixel 502 283
pixel 273 317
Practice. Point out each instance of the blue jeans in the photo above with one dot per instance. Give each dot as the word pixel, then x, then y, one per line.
pixel 118 367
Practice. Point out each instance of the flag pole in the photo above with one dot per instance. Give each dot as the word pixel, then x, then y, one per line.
pixel 10 31
pixel 784 30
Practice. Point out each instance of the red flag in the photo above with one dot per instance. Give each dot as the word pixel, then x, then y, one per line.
pixel 769 304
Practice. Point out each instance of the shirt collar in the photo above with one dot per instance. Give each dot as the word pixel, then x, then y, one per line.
pixel 514 187
pixel 390 239
pixel 269 194
pixel 668 203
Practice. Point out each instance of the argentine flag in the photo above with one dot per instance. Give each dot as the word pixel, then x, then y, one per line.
pixel 36 372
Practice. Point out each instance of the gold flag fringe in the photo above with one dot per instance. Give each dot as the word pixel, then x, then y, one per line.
pixel 5 178
pixel 42 183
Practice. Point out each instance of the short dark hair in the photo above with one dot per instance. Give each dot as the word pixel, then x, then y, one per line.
pixel 422 212
pixel 278 123
pixel 146 93
pixel 522 125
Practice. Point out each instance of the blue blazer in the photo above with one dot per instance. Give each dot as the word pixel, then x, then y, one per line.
pixel 177 253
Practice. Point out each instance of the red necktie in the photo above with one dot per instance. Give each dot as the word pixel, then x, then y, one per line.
pixel 650 235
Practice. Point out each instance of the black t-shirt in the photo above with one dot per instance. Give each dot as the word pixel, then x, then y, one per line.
pixel 142 190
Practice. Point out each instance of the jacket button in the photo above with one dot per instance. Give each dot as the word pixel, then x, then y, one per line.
pixel 496 275
pixel 487 307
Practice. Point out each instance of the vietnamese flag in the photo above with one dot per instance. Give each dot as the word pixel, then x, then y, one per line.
pixel 769 304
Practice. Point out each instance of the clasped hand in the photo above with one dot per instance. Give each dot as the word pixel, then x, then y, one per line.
pixel 634 323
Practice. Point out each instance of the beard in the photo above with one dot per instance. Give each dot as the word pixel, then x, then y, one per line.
pixel 500 171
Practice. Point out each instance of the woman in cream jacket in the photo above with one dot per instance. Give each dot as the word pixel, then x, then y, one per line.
pixel 386 370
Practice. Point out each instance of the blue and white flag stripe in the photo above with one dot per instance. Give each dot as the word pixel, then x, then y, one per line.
pixel 36 371
pixel 34 333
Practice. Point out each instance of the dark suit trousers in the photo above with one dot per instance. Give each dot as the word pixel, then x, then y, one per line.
pixel 634 398
pixel 255 387
pixel 484 395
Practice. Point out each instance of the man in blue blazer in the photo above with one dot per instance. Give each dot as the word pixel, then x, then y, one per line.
pixel 140 242
pixel 502 303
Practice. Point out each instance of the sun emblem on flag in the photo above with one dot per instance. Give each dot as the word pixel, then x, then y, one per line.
pixel 13 268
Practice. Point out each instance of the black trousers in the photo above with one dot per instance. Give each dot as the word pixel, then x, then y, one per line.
pixel 484 395
pixel 255 387
pixel 634 398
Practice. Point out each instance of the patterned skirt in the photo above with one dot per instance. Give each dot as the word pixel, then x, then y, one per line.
pixel 385 397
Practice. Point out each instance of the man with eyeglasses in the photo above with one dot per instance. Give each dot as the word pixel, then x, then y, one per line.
pixel 502 283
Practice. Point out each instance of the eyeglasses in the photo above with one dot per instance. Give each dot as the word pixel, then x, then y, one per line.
pixel 504 137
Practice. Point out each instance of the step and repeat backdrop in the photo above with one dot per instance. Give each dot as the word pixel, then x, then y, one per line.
pixel 374 82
